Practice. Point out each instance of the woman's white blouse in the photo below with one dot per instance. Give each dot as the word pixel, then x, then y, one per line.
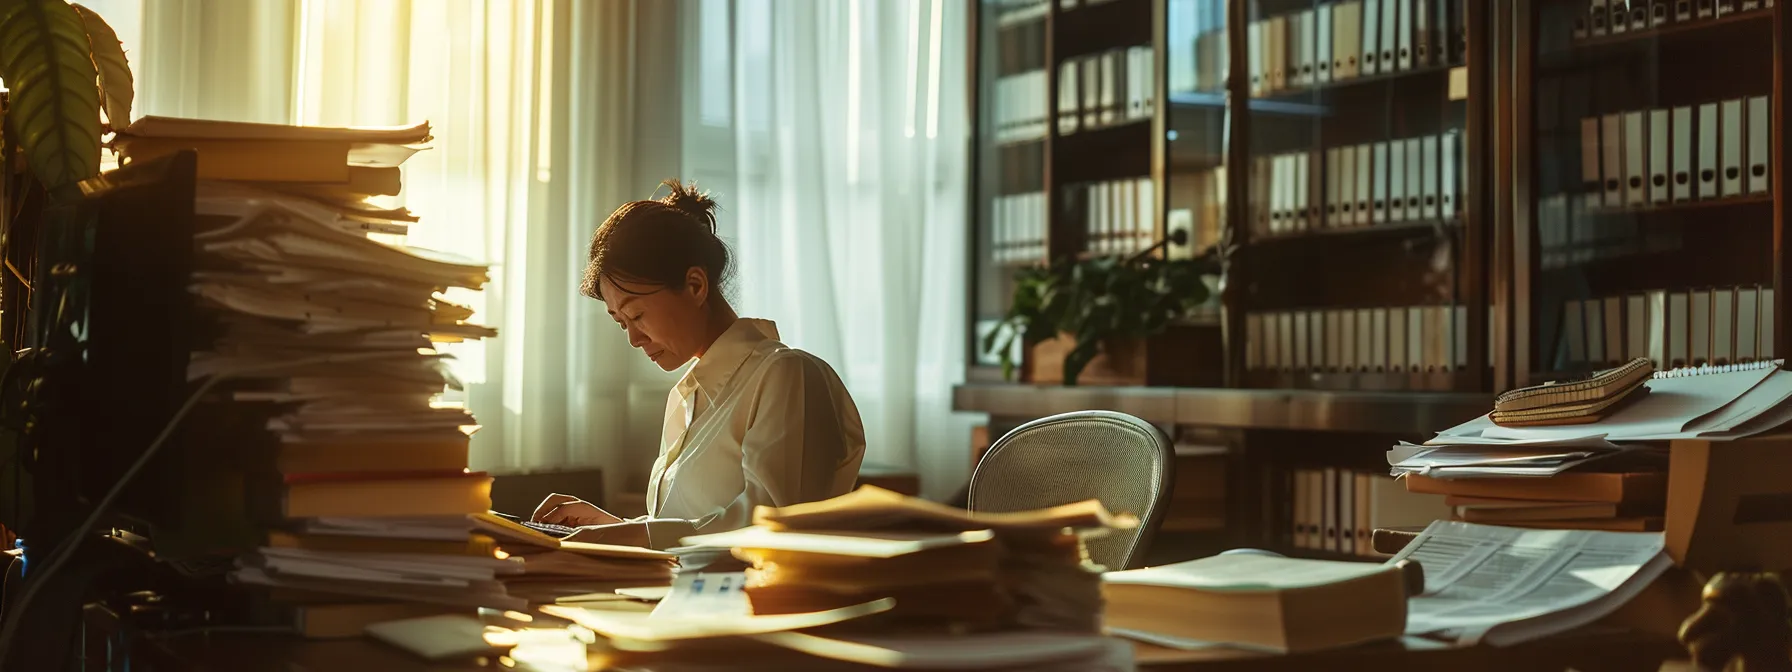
pixel 753 423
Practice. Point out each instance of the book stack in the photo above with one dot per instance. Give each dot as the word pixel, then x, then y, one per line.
pixel 325 340
pixel 944 567
pixel 1614 501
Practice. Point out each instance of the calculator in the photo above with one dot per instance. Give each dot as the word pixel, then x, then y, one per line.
pixel 544 528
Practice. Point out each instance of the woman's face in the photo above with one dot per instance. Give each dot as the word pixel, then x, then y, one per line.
pixel 668 324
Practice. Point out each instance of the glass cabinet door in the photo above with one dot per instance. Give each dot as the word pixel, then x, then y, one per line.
pixel 1009 210
pixel 1649 229
pixel 1356 256
pixel 1195 138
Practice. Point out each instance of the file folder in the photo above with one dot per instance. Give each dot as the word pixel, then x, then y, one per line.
pixel 1306 211
pixel 1403 29
pixel 1324 54
pixel 1422 33
pixel 1371 61
pixel 1636 326
pixel 1300 44
pixel 1658 328
pixel 1730 128
pixel 1591 312
pixel 1709 169
pixel 1365 340
pixel 1347 340
pixel 1726 7
pixel 1580 27
pixel 1278 53
pixel 1658 156
pixel 1378 168
pixel 1390 35
pixel 1701 326
pixel 1111 78
pixel 1707 9
pixel 1679 330
pixel 1378 340
pixel 1346 186
pixel 1261 198
pixel 1334 340
pixel 1747 325
pixel 1415 178
pixel 1682 10
pixel 1347 39
pixel 1257 46
pixel 1660 13
pixel 1459 337
pixel 1397 340
pixel 1636 158
pixel 1639 15
pixel 1447 204
pixel 1759 154
pixel 1334 172
pixel 1597 16
pixel 1302 342
pixel 1611 166
pixel 1429 173
pixel 1681 156
pixel 1723 325
pixel 1286 331
pixel 1364 184
pixel 1617 18
pixel 1396 181
pixel 1590 158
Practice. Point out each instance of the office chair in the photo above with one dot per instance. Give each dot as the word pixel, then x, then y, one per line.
pixel 1124 462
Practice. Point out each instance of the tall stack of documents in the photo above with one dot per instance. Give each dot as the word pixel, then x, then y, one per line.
pixel 942 566
pixel 326 337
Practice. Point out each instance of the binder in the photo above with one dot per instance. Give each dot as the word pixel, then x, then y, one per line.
pixel 1334 340
pixel 1611 163
pixel 1580 27
pixel 1396 181
pixel 1346 186
pixel 1748 326
pixel 1111 78
pixel 1297 484
pixel 1364 184
pixel 1682 10
pixel 1447 203
pixel 1396 318
pixel 1660 13
pixel 1760 153
pixel 1324 54
pixel 1636 326
pixel 1371 61
pixel 1423 33
pixel 1595 325
pixel 1300 41
pixel 1707 9
pixel 1639 15
pixel 1347 521
pixel 1378 195
pixel 1253 341
pixel 1347 39
pixel 1404 30
pixel 1658 330
pixel 1329 509
pixel 1636 161
pixel 1769 348
pixel 1616 20
pixel 1723 326
pixel 1658 156
pixel 1257 46
pixel 1278 194
pixel 1615 344
pixel 1301 187
pixel 1439 338
pixel 1459 339
pixel 1590 158
pixel 1428 178
pixel 1448 29
pixel 1730 128
pixel 1090 85
pixel 1700 320
pixel 1365 340
pixel 1260 193
pixel 1347 347
pixel 1708 154
pixel 1574 332
pixel 1681 156
pixel 1303 342
pixel 1067 97
pixel 1285 330
pixel 1726 7
pixel 1378 340
pixel 1596 18
pixel 1415 338
pixel 1415 178
pixel 1278 53
pixel 1679 330
pixel 1390 35
pixel 1333 172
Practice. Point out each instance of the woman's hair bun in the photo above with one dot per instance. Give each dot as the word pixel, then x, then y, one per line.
pixel 695 204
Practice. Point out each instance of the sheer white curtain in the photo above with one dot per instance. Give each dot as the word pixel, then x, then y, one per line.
pixel 547 114
pixel 834 137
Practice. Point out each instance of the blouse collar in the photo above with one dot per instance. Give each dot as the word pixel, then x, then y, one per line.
pixel 724 357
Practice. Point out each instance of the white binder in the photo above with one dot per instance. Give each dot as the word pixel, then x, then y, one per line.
pixel 1278 53
pixel 1391 26
pixel 1748 326
pixel 1324 55
pixel 1257 46
pixel 1415 178
pixel 1706 9
pixel 1110 83
pixel 1700 318
pixel 1415 338
pixel 1423 33
pixel 1371 61
pixel 1726 7
pixel 1428 174
pixel 1378 195
pixel 1397 339
pixel 1396 181
pixel 1730 128
pixel 1682 10
pixel 1299 40
pixel 1639 15
pixel 1636 161
pixel 1365 340
pixel 1658 156
pixel 1365 173
pixel 1334 172
pixel 1403 29
pixel 1681 156
pixel 1302 188
pixel 1611 165
pixel 1591 184
pixel 1658 328
pixel 1597 16
pixel 1660 13
pixel 1302 342
pixel 1446 198
pixel 1346 186
pixel 1723 325
pixel 1279 176
pixel 1347 39
pixel 1760 153
pixel 1617 18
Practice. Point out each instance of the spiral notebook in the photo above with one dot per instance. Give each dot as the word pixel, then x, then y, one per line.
pixel 1677 401
pixel 1573 401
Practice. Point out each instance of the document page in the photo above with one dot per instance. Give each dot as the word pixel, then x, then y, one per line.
pixel 1504 585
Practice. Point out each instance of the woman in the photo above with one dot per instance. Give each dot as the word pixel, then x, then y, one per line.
pixel 753 422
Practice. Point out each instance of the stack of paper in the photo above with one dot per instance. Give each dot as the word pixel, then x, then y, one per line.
pixel 943 566
pixel 551 568
pixel 324 340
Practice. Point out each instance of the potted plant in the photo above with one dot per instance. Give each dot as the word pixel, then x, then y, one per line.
pixel 1079 310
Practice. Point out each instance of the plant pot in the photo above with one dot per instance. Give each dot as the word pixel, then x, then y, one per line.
pixel 1182 356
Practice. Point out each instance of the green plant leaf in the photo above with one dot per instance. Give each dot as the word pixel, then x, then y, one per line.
pixel 55 103
pixel 117 89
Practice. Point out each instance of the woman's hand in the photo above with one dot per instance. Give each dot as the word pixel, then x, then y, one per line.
pixel 626 534
pixel 568 510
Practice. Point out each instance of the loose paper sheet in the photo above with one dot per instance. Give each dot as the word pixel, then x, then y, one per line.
pixel 1506 585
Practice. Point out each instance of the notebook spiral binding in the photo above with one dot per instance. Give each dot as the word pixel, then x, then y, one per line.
pixel 1706 369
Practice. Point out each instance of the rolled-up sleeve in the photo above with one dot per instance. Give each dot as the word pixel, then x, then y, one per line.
pixel 803 443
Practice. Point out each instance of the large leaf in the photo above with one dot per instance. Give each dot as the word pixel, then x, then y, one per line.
pixel 117 89
pixel 55 106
